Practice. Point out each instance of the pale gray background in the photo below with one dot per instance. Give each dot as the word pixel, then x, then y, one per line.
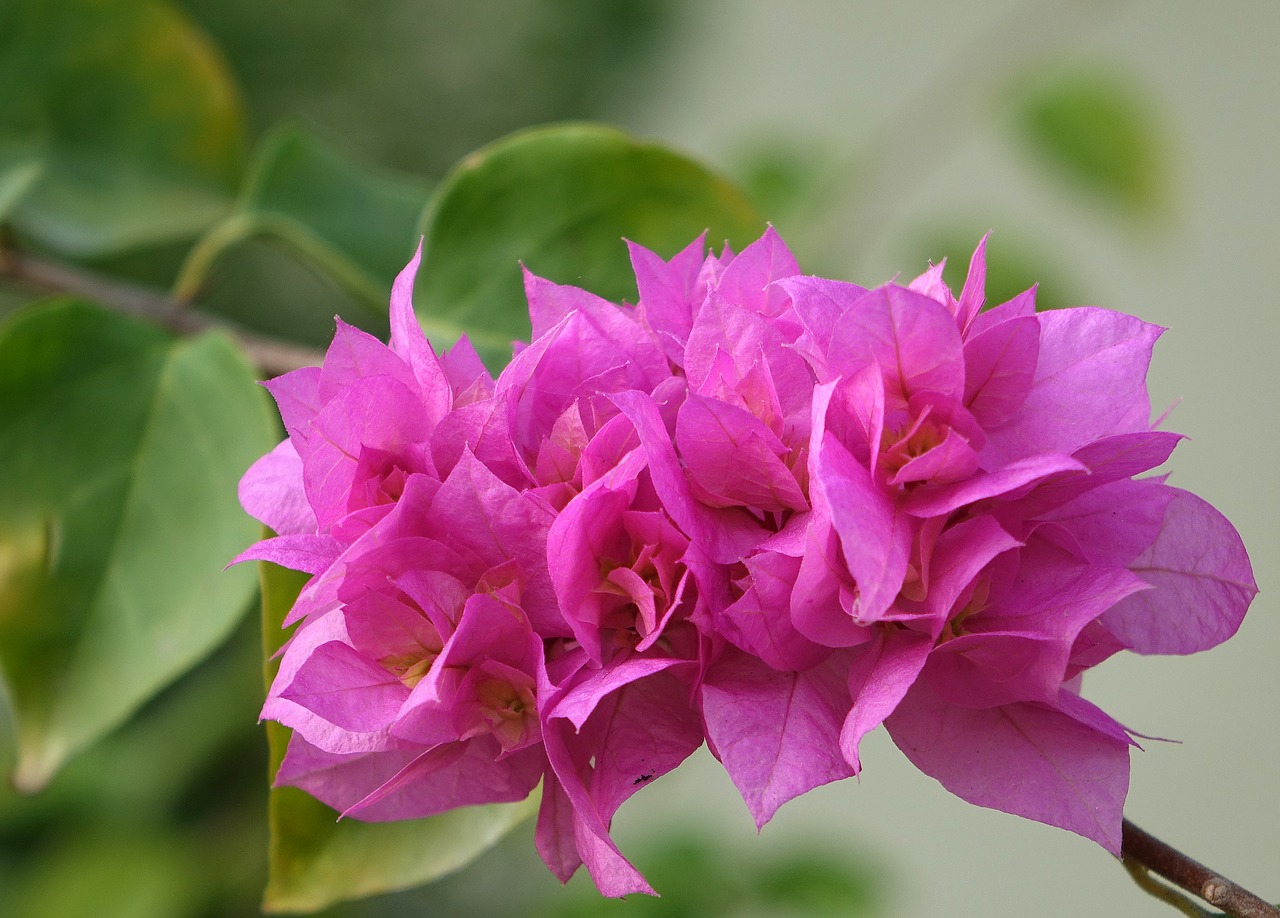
pixel 841 71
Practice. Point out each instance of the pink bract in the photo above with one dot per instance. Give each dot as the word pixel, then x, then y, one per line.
pixel 762 510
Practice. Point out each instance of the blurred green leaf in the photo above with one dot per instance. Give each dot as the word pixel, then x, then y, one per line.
pixel 787 176
pixel 698 876
pixel 1096 130
pixel 201 798
pixel 110 875
pixel 131 110
pixel 355 224
pixel 560 200
pixel 120 451
pixel 16 179
pixel 315 860
pixel 1012 265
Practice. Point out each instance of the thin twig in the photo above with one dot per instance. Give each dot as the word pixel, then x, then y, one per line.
pixel 271 355
pixel 1151 854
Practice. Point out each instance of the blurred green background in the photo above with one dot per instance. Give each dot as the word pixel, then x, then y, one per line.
pixel 1122 153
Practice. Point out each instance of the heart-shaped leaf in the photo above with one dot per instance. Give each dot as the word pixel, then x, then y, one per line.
pixel 560 200
pixel 355 224
pixel 120 450
pixel 133 114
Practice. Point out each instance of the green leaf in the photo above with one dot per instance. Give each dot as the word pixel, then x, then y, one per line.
pixel 355 224
pixel 560 199
pixel 1097 131
pixel 120 451
pixel 110 875
pixel 16 179
pixel 133 113
pixel 315 860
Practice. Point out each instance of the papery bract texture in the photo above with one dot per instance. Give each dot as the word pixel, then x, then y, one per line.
pixel 762 510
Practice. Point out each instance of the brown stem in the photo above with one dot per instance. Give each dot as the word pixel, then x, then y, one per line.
pixel 1149 852
pixel 271 355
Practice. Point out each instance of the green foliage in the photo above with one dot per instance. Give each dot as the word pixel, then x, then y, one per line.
pixel 16 179
pixel 560 200
pixel 1095 130
pixel 120 450
pixel 315 860
pixel 132 115
pixel 355 224
pixel 160 815
pixel 417 84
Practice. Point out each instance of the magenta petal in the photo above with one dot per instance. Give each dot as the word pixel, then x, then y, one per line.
pixel 1000 365
pixel 913 339
pixel 377 412
pixel 551 303
pixel 1004 482
pixel 724 329
pixel 931 284
pixel 959 555
pixel 1106 460
pixel 580 702
pixel 336 779
pixel 1111 524
pixel 446 777
pixel 355 355
pixel 408 341
pixel 734 457
pixel 1090 382
pixel 554 834
pixel 974 294
pixel 818 303
pixel 777 734
pixel 304 722
pixel 630 736
pixel 874 534
pixel 297 395
pixel 748 278
pixel 758 622
pixel 272 493
pixel 881 674
pixel 669 291
pixel 1024 304
pixel 725 536
pixel 1026 759
pixel 483 518
pixel 310 553
pixel 1203 583
pixel 346 689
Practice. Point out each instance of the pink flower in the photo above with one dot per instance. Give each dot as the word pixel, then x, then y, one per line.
pixel 759 509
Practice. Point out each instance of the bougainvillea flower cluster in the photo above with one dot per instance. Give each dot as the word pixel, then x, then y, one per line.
pixel 756 509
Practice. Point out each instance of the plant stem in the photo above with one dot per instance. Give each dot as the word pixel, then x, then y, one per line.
pixel 1150 854
pixel 272 356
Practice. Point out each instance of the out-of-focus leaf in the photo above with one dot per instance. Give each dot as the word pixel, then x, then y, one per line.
pixel 120 450
pixel 110 875
pixel 1012 266
pixel 560 199
pixel 786 177
pixel 697 877
pixel 355 224
pixel 133 113
pixel 16 179
pixel 315 860
pixel 1096 130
